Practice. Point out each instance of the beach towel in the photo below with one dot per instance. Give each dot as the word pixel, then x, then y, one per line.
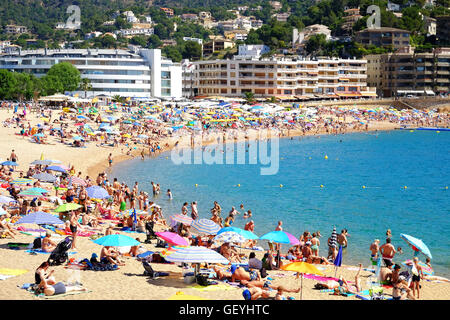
pixel 319 278
pixel 214 287
pixel 6 273
pixel 43 252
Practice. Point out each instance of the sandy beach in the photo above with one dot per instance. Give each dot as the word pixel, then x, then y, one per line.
pixel 128 283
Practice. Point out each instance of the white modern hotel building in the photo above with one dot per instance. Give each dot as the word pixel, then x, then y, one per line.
pixel 139 73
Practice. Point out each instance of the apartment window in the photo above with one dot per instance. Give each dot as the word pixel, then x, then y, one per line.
pixel 232 66
pixel 165 83
pixel 340 88
pixel 233 90
pixel 232 83
pixel 165 92
pixel 165 74
pixel 352 88
pixel 232 74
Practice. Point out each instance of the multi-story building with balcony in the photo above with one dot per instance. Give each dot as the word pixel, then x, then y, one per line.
pixel 141 73
pixel 384 37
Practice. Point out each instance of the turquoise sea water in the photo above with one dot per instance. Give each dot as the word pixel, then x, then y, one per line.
pixel 384 162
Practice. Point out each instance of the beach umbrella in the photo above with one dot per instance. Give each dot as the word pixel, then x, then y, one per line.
pixel 280 237
pixel 416 244
pixel 40 217
pixel 56 168
pixel 97 192
pixel 117 240
pixel 172 238
pixel 245 233
pixel 338 261
pixel 37 189
pixel 32 193
pixel 230 237
pixel 333 241
pixel 181 218
pixel 22 181
pixel 44 177
pixel 205 226
pixel 9 163
pixel 77 181
pixel 77 138
pixel 2 212
pixel 68 207
pixel 4 199
pixel 196 255
pixel 302 267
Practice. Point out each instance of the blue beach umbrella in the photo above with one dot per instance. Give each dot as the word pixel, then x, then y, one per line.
pixel 196 255
pixel 280 237
pixel 56 168
pixel 417 244
pixel 229 236
pixel 36 189
pixel 117 240
pixel 205 226
pixel 338 261
pixel 97 192
pixel 40 217
pixel 9 163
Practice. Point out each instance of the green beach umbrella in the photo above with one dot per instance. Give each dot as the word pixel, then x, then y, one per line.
pixel 68 207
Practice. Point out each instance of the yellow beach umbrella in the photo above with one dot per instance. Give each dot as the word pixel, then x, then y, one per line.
pixel 302 267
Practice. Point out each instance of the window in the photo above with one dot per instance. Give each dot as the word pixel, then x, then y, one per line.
pixel 165 92
pixel 165 74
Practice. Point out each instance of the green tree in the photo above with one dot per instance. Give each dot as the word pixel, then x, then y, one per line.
pixel 139 41
pixel 7 84
pixel 172 53
pixel 249 96
pixel 192 50
pixel 50 85
pixel 66 75
pixel 315 43
pixel 25 85
pixel 154 42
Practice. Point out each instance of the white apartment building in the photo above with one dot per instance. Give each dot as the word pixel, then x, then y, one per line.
pixel 253 50
pixel 130 16
pixel 135 32
pixel 141 73
pixel 284 77
pixel 199 41
pixel 188 78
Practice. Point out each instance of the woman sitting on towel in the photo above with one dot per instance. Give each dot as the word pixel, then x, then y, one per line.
pixel 43 275
pixel 48 245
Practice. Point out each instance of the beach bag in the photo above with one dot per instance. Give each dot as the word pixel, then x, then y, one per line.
pixel 202 280
pixel 37 243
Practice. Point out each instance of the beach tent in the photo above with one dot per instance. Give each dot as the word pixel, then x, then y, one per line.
pixel 55 97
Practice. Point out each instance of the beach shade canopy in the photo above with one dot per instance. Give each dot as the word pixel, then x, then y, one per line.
pixel 22 181
pixel 40 217
pixel 117 240
pixel 280 237
pixel 205 226
pixel 245 233
pixel 181 218
pixel 229 236
pixel 97 192
pixel 9 163
pixel 68 207
pixel 196 255
pixel 77 181
pixel 4 199
pixel 56 168
pixel 417 244
pixel 172 238
pixel 44 177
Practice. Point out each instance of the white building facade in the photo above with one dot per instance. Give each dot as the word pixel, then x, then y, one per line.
pixel 112 72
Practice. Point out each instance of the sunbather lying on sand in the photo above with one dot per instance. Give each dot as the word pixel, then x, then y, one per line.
pixel 58 288
pixel 342 286
pixel 236 274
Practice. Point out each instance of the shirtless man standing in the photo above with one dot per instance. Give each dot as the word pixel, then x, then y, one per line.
pixel 342 239
pixel 387 251
pixel 374 250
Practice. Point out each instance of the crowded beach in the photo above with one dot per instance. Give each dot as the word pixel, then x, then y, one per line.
pixel 70 230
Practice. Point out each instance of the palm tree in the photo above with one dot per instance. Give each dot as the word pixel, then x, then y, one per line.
pixel 249 96
pixel 85 85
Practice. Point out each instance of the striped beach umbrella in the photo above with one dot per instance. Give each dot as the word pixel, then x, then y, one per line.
pixel 333 241
pixel 230 237
pixel 196 255
pixel 77 181
pixel 97 192
pixel 44 177
pixel 181 218
pixel 40 217
pixel 205 226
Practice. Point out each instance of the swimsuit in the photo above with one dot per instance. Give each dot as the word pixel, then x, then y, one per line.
pixel 253 275
pixel 59 287
pixel 314 247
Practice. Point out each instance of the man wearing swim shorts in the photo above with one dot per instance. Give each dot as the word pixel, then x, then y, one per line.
pixel 387 252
